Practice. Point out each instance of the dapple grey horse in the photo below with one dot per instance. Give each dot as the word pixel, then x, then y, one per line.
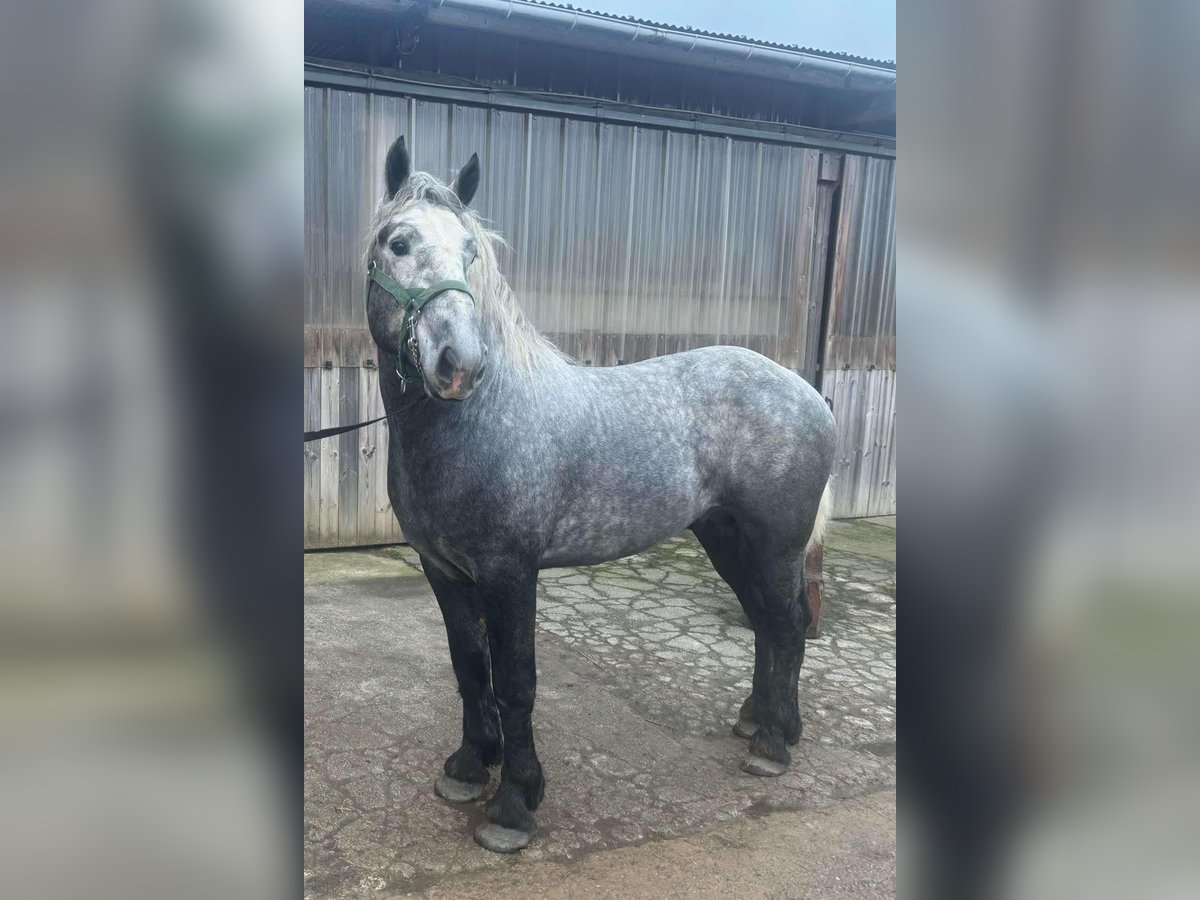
pixel 505 457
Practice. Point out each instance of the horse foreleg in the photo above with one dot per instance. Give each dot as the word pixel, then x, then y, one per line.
pixel 465 775
pixel 511 599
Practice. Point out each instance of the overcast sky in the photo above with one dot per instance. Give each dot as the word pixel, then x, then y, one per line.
pixel 861 27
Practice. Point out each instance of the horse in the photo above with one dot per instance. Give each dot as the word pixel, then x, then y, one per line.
pixel 506 457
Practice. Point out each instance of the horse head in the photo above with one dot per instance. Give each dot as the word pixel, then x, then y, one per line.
pixel 418 303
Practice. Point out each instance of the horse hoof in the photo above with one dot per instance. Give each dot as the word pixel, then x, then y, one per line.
pixel 761 766
pixel 745 728
pixel 458 791
pixel 499 839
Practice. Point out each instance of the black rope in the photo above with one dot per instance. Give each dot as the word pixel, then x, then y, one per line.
pixel 342 429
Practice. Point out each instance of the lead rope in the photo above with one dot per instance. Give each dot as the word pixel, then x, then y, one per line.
pixel 342 429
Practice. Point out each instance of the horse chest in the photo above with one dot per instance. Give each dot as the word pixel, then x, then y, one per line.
pixel 432 535
pixel 442 513
pixel 416 505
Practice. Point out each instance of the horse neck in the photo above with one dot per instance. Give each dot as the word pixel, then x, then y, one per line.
pixel 515 347
pixel 415 414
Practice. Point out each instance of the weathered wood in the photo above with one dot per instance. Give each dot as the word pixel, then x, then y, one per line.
pixel 710 240
pixel 328 449
pixel 312 459
pixel 348 457
pixel 844 351
pixel 806 232
pixel 860 346
pixel 815 302
pixel 864 472
pixel 831 167
pixel 368 403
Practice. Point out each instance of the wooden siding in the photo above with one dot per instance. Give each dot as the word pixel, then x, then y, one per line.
pixel 860 347
pixel 626 242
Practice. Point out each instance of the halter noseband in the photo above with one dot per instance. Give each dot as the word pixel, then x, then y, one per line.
pixel 408 365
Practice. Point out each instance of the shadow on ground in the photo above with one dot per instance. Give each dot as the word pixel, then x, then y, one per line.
pixel 642 665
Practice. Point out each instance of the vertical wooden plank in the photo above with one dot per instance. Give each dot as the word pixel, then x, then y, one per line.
pixel 348 457
pixel 316 218
pixel 823 230
pixel 802 291
pixel 850 419
pixel 864 479
pixel 875 483
pixel 328 518
pixel 869 446
pixel 828 388
pixel 842 246
pixel 847 412
pixel 857 432
pixel 883 415
pixel 873 442
pixel 385 519
pixel 885 504
pixel 312 459
pixel 368 391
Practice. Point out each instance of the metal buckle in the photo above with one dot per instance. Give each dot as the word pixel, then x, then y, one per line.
pixel 414 349
pixel 414 352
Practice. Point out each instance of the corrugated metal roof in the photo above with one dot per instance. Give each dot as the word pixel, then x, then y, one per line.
pixel 741 38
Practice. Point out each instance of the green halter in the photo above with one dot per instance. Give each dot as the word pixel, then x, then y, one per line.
pixel 408 365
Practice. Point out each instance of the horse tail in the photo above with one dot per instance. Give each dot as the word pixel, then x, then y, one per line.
pixel 823 511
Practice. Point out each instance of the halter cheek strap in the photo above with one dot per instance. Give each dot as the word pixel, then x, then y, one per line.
pixel 414 300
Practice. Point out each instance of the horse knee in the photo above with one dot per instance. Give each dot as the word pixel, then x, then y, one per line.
pixel 785 620
pixel 515 695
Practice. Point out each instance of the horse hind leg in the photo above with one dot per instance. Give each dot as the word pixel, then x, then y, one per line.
pixel 784 617
pixel 769 586
pixel 721 537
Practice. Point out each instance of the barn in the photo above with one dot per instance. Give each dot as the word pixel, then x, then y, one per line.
pixel 661 188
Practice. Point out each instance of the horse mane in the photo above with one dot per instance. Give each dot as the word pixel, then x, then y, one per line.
pixel 520 342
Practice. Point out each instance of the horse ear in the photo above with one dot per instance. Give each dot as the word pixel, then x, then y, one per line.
pixel 467 180
pixel 395 170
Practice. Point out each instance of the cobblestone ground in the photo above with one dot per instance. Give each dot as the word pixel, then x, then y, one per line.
pixel 643 664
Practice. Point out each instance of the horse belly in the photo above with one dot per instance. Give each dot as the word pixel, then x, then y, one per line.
pixel 598 530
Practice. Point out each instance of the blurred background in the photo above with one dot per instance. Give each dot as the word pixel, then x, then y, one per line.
pixel 150 568
pixel 1049 223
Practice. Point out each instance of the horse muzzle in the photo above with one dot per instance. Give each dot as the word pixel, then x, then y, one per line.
pixel 456 374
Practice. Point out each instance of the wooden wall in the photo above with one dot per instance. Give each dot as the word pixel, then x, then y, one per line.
pixel 626 242
pixel 860 347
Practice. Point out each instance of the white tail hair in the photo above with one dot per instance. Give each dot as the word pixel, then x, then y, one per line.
pixel 823 511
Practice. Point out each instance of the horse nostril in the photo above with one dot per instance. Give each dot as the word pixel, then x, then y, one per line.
pixel 447 364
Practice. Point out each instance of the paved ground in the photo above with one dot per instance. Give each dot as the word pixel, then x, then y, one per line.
pixel 642 666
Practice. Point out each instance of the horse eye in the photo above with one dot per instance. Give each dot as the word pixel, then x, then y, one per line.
pixel 400 248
